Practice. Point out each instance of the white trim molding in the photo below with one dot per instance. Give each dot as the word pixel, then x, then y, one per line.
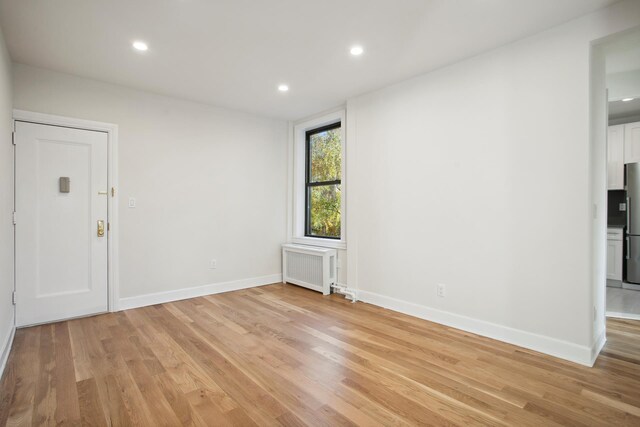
pixel 317 241
pixel 296 180
pixel 6 350
pixel 197 291
pixel 583 355
pixel 619 315
pixel 597 347
pixel 112 179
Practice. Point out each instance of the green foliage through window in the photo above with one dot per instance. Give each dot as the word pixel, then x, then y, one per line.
pixel 323 186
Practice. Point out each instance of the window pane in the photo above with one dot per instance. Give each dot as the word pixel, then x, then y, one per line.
pixel 325 156
pixel 324 211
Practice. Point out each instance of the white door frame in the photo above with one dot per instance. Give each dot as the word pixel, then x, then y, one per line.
pixel 112 180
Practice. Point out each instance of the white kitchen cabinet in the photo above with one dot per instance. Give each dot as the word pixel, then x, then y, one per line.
pixel 632 142
pixel 614 253
pixel 615 157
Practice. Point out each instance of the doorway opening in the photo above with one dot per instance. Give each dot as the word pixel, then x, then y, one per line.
pixel 622 76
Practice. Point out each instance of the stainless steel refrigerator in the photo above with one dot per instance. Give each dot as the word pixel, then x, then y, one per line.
pixel 633 222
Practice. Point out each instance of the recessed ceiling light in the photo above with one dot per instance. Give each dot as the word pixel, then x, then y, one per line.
pixel 357 50
pixel 141 46
pixel 283 88
pixel 627 99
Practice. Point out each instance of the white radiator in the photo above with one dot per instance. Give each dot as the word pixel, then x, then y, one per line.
pixel 309 266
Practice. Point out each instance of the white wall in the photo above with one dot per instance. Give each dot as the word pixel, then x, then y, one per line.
pixel 623 85
pixel 6 198
pixel 209 182
pixel 478 176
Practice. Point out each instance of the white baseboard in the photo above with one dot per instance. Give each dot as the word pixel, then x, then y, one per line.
pixel 630 316
pixel 597 348
pixel 583 355
pixel 6 349
pixel 197 291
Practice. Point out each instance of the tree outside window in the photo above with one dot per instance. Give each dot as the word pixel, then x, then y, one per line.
pixel 323 182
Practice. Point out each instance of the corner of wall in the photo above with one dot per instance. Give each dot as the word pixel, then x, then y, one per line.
pixel 7 322
pixel 598 192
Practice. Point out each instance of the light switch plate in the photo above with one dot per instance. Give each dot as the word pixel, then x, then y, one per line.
pixel 622 207
pixel 132 202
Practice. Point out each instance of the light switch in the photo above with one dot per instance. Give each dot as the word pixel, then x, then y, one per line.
pixel 622 207
pixel 132 202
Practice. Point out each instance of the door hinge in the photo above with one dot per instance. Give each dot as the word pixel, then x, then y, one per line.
pixel 13 298
pixel 14 218
pixel 13 137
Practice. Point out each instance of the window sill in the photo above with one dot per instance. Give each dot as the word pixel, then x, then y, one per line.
pixel 323 243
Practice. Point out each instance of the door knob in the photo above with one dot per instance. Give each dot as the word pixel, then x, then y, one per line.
pixel 100 228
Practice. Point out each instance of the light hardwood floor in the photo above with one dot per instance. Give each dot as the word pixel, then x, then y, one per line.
pixel 282 355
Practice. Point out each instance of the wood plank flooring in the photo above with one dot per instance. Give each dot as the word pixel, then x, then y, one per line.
pixel 283 355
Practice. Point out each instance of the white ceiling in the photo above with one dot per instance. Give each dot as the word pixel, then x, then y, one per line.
pixel 234 53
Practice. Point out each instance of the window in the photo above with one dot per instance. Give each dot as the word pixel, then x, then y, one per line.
pixel 323 181
pixel 317 183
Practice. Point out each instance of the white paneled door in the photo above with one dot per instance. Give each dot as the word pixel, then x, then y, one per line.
pixel 61 223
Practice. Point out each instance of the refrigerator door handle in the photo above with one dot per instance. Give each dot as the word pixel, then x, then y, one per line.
pixel 628 213
pixel 628 252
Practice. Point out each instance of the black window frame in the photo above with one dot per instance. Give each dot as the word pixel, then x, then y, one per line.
pixel 307 179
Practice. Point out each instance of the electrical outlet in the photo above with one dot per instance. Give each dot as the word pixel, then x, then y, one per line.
pixel 441 290
pixel 213 264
